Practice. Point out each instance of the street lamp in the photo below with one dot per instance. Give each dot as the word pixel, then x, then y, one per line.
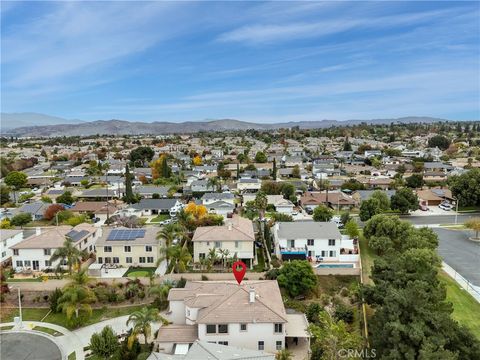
pixel 19 303
pixel 456 210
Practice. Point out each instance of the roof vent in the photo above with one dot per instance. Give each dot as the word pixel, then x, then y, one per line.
pixel 251 295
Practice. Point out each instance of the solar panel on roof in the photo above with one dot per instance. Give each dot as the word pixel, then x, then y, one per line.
pixel 117 234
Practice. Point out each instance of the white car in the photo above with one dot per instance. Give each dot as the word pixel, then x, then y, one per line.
pixel 446 207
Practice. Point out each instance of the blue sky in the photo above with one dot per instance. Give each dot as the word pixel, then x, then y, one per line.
pixel 252 61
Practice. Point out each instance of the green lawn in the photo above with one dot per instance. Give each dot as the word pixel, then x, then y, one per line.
pixel 47 330
pixel 367 257
pixel 468 208
pixel 465 308
pixel 98 315
pixel 72 356
pixel 37 279
pixel 160 217
pixel 139 272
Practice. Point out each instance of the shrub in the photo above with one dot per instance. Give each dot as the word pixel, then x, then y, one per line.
pixel 105 343
pixel 297 277
pixel 342 312
pixel 204 277
pixel 53 299
pixel 313 311
pixel 272 274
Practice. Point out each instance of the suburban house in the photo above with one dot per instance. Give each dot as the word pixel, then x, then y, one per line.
pixel 432 197
pixel 128 247
pixel 222 208
pixel 210 198
pixel 236 236
pixel 148 191
pixel 100 209
pixel 249 185
pixel 281 205
pixel 249 316
pixel 148 207
pixel 208 350
pixel 34 252
pixel 335 200
pixel 8 239
pixel 311 239
pixel 35 209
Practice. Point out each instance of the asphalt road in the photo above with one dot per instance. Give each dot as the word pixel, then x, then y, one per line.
pixel 461 254
pixel 28 346
pixel 439 219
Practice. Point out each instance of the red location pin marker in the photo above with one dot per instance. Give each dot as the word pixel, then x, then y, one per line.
pixel 239 273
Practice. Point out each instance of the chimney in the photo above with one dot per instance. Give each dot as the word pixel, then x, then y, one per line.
pixel 38 231
pixel 229 226
pixel 251 295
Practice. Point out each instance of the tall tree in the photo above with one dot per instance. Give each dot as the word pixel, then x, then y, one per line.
pixel 274 169
pixel 142 323
pixel 69 253
pixel 15 180
pixel 129 197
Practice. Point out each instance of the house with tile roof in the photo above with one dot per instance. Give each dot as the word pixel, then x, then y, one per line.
pixel 236 236
pixel 34 252
pixel 250 316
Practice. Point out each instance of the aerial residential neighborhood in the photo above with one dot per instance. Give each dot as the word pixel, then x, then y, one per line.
pixel 240 180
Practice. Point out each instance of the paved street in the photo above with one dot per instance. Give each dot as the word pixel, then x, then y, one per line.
pixel 439 219
pixel 460 253
pixel 28 346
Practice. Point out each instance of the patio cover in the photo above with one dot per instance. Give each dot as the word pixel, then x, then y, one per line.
pixel 297 326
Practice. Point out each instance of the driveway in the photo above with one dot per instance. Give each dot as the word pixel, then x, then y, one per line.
pixel 460 253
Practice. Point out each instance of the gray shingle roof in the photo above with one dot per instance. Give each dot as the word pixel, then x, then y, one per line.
pixel 156 204
pixel 308 230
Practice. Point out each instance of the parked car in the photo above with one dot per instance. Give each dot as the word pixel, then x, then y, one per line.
pixel 309 211
pixel 446 207
pixel 423 207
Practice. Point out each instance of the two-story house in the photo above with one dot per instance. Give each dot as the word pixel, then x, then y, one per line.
pixel 128 247
pixel 35 251
pixel 8 239
pixel 236 236
pixel 310 239
pixel 250 316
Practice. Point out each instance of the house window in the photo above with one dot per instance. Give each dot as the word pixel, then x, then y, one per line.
pixel 261 345
pixel 278 328
pixel 324 253
pixel 223 343
pixel 218 244
pixel 279 345
pixel 223 328
pixel 128 260
pixel 100 260
pixel 116 260
pixel 19 263
pixel 108 260
pixel 243 327
pixel 141 260
pixel 127 249
pixel 237 243
pixel 208 243
pixel 310 242
pixel 211 329
pixel 331 242
pixel 148 248
pixel 15 251
pixel 333 253
pixel 27 263
pixel 48 263
pixel 201 256
pixel 4 253
pixel 107 249
pixel 291 243
pixel 150 259
pixel 47 251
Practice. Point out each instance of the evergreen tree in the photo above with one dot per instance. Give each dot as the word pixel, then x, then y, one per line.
pixel 129 197
pixel 274 170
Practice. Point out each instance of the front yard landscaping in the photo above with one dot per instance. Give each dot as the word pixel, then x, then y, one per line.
pixel 160 217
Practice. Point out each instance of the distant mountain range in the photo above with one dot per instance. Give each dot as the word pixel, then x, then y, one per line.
pixel 32 124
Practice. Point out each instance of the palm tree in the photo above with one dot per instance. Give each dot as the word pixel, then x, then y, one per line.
pixel 70 253
pixel 180 257
pixel 79 278
pixel 224 255
pixel 214 183
pixel 261 203
pixel 142 323
pixel 211 258
pixel 169 234
pixel 74 299
pixel 160 292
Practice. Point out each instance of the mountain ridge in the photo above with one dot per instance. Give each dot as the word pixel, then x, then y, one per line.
pixel 126 127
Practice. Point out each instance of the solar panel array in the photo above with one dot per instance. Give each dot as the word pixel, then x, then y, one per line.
pixel 77 235
pixel 116 235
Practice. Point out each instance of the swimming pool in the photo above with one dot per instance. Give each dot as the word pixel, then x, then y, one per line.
pixel 334 266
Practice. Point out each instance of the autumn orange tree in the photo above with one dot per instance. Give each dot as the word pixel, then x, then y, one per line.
pixel 197 160
pixel 197 211
pixel 52 210
pixel 160 168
